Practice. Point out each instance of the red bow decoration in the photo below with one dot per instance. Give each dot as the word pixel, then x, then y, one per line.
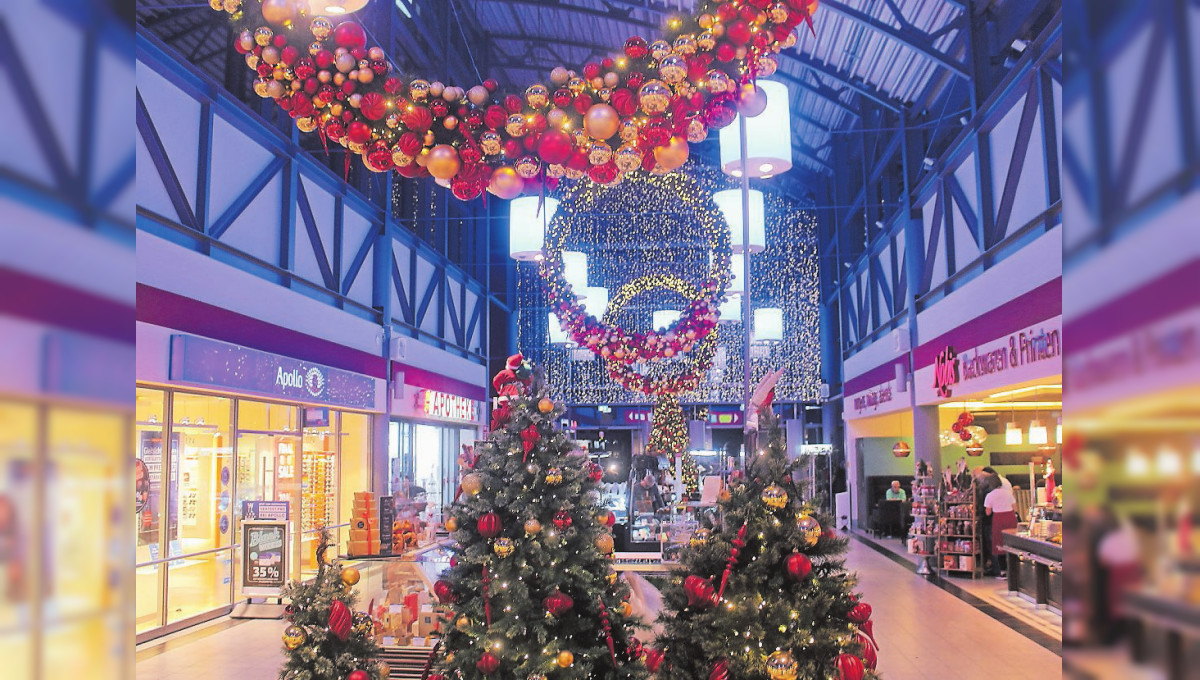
pixel 500 416
pixel 699 592
pixel 529 439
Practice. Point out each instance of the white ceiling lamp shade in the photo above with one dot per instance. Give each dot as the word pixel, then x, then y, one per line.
pixel 336 8
pixel 731 310
pixel 1037 433
pixel 1058 432
pixel 768 137
pixel 768 325
pixel 737 267
pixel 730 203
pixel 527 226
pixel 663 318
pixel 557 335
pixel 595 302
pixel 1012 434
pixel 575 271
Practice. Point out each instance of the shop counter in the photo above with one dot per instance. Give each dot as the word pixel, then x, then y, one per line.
pixel 1172 614
pixel 1034 568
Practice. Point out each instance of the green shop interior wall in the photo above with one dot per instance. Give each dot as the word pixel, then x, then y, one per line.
pixel 879 461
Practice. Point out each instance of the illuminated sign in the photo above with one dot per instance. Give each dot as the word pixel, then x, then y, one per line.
pixel 449 406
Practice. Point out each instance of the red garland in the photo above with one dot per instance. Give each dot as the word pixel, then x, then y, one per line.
pixel 738 544
pixel 612 652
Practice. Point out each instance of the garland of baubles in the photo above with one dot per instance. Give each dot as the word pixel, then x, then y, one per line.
pixel 640 110
pixel 616 345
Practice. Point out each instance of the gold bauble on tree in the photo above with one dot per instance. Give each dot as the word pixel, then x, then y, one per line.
pixel 350 576
pixel 385 671
pixel 565 659
pixel 532 527
pixel 626 609
pixel 775 496
pixel 452 524
pixel 673 154
pixel 503 547
pixel 554 476
pixel 810 528
pixel 463 623
pixel 604 542
pixel 443 161
pixel 781 665
pixel 506 183
pixel 601 121
pixel 472 483
pixel 293 637
pixel 545 406
pixel 279 12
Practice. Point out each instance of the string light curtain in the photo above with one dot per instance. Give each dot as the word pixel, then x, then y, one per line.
pixel 640 230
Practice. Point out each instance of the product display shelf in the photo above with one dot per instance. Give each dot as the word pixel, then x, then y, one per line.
pixel 922 534
pixel 959 534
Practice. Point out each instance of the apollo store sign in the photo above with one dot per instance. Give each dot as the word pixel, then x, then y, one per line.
pixel 211 363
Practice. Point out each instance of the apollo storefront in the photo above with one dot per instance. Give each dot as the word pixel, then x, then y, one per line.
pixel 242 425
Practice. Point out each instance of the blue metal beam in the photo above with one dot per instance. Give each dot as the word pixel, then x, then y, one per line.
pixel 907 36
pixel 867 90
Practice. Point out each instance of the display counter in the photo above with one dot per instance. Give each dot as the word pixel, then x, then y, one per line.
pixel 1171 613
pixel 1034 568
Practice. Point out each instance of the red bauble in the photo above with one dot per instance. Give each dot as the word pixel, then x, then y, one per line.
pixel 699 591
pixel 562 520
pixel 373 106
pixel 443 591
pixel 578 161
pixel 350 35
pixel 335 130
pixel 495 117
pixel 289 55
pixel 957 426
pixel 860 613
pixel 726 52
pixel 417 118
pixel 869 656
pixel 554 146
pixel 323 59
pixel 490 84
pixel 748 12
pixel 595 472
pixel 489 525
pixel 488 663
pixel 358 132
pixel 358 675
pixel 635 80
pixel 849 667
pixel 558 603
pixel 302 105
pixel 966 418
pixel 624 102
pixel 582 102
pixel 798 566
pixel 439 108
pixel 654 659
pixel 465 189
pixel 719 112
pixel 339 620
pixel 513 103
pixel 636 48
pixel 409 144
pixel 603 174
pixel 591 70
pixel 720 671
pixel 512 148
pixel 965 436
pixel 726 12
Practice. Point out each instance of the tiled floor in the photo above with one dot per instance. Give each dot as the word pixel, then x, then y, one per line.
pixel 924 632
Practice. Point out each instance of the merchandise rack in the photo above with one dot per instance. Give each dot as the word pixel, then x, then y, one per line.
pixel 959 533
pixel 922 534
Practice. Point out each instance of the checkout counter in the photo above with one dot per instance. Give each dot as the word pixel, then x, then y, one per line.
pixel 1035 561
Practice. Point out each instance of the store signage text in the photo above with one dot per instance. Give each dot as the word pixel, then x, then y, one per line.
pixel 1020 349
pixel 219 364
pixel 873 399
pixel 945 371
pixel 451 406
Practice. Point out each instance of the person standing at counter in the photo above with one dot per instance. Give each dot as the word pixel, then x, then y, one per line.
pixel 985 483
pixel 1000 506
pixel 896 493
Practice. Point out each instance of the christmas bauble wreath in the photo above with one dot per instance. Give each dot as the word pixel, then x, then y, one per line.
pixel 640 110
pixel 614 343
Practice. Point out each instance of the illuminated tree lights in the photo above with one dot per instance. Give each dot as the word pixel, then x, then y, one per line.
pixel 669 437
pixel 638 111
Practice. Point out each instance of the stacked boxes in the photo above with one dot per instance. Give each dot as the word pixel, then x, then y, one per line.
pixel 364 525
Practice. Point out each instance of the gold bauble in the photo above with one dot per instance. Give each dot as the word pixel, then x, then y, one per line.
pixel 537 96
pixel 463 623
pixel 810 529
pixel 601 121
pixel 611 577
pixel 673 68
pixel 503 547
pixel 418 90
pixel 628 158
pixel 233 6
pixel 263 35
pixel 782 665
pixel 472 483
pixel 685 44
pixel 700 538
pixel 654 97
pixel 705 20
pixel 515 125
pixel 545 405
pixel 306 124
pixel 706 41
pixel 555 170
pixel 506 184
pixel 279 12
pixel 672 155
pixel 293 637
pixel 321 27
pixel 775 496
pixel 768 64
pixel 718 81
pixel 659 49
pixel 217 5
pixel 697 131
pixel 630 131
pixel 350 576
pixel 554 476
pixel 565 659
pixel 604 542
pixel 385 671
pixel 626 609
pixel 490 143
pixel 532 527
pixel 576 85
pixel 443 161
pixel 451 524
pixel 599 153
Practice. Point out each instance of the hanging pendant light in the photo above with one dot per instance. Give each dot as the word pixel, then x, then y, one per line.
pixel 575 271
pixel 527 220
pixel 595 302
pixel 663 318
pixel 1012 434
pixel 730 203
pixel 768 325
pixel 557 335
pixel 901 449
pixel 1037 432
pixel 768 137
pixel 731 310
pixel 335 8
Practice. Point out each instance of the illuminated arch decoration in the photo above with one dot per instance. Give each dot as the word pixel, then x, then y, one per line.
pixel 617 345
pixel 639 111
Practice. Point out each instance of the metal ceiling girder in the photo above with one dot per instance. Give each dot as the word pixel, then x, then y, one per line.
pixel 555 40
pixel 865 89
pixel 576 9
pixel 821 90
pixel 915 40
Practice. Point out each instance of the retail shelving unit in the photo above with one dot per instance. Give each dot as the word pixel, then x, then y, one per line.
pixel 922 535
pixel 959 550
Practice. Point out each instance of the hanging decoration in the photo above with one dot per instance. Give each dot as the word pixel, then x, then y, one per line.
pixel 640 110
pixel 669 437
pixel 614 343
pixel 963 432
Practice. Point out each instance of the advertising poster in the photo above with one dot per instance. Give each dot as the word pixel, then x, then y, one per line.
pixel 387 519
pixel 265 567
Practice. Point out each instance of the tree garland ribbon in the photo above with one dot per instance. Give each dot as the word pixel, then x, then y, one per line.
pixel 638 111
pixel 738 544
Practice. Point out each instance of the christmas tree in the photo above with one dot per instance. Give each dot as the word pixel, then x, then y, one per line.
pixel 531 586
pixel 765 594
pixel 327 639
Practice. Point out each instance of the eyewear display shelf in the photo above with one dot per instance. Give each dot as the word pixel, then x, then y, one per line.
pixel 959 551
pixel 922 535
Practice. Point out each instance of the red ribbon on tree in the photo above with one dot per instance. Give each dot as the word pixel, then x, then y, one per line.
pixel 738 544
pixel 487 605
pixel 612 652
pixel 529 439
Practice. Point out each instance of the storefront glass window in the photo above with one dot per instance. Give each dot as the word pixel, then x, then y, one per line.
pixel 200 505
pixel 149 465
pixel 18 436
pixel 355 459
pixel 318 481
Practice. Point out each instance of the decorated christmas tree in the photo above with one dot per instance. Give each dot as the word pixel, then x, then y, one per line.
pixel 531 586
pixel 764 594
pixel 326 638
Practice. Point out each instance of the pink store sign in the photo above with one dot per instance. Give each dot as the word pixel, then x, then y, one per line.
pixel 876 391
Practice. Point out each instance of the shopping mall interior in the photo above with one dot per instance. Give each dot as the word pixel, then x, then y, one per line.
pixel 605 339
